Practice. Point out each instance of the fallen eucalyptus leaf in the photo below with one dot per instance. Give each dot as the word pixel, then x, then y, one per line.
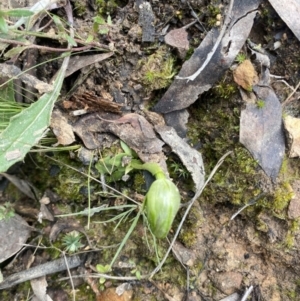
pixel 190 157
pixel 61 128
pixel 261 130
pixel 18 230
pixel 12 71
pixel 181 93
pixel 78 62
pixel 39 287
pixel 289 12
pixel 23 185
pixel 133 129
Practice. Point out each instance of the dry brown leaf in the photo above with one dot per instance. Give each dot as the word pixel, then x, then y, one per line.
pixel 61 128
pixel 78 62
pixel 14 232
pixel 261 130
pixel 24 186
pixel 245 75
pixel 289 12
pixel 39 287
pixel 11 71
pixel 133 129
pixel 190 157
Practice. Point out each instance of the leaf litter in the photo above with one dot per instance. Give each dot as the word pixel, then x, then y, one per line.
pixel 261 129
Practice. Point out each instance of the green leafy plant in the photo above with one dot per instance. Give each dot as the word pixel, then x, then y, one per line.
pixel 115 167
pixel 71 241
pixel 100 25
pixel 28 127
pixel 162 200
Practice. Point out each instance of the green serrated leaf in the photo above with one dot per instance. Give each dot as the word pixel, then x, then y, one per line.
pixel 3 25
pixel 28 127
pixel 19 13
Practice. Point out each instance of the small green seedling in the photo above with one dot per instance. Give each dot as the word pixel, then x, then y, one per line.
pixel 71 241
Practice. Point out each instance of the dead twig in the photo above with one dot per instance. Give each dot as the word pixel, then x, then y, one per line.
pixel 288 99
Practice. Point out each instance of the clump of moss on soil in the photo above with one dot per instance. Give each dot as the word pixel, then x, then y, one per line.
pixel 214 129
pixel 157 70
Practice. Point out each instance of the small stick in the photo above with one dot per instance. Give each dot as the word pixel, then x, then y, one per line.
pixel 290 96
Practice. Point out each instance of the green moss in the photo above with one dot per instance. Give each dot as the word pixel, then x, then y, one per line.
pixel 260 103
pixel 282 196
pixel 177 169
pixel 53 175
pixel 293 230
pixel 139 183
pixel 212 12
pixel 157 70
pixel 224 89
pixel 292 295
pixel 80 7
pixel 106 6
pixel 241 57
pixel 217 133
pixel 189 232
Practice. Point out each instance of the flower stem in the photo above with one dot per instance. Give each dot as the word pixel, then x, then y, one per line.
pixel 153 168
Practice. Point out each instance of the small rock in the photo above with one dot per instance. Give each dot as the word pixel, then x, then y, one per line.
pixel 178 38
pixel 292 127
pixel 294 206
pixel 294 209
pixel 227 282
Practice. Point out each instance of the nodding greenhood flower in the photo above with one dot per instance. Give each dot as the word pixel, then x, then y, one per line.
pixel 162 200
pixel 162 204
